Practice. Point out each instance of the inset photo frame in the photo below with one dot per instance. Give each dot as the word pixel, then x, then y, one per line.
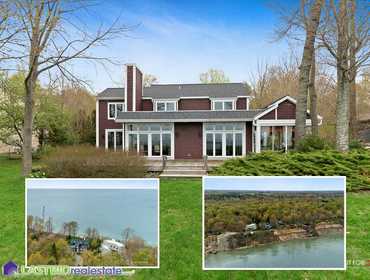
pixel 92 222
pixel 274 223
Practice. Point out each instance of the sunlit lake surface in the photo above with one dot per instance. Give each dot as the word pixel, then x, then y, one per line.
pixel 321 252
pixel 108 210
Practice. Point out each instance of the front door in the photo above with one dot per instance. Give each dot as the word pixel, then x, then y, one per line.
pixel 188 140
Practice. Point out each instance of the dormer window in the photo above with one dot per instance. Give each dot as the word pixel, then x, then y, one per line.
pixel 114 108
pixel 166 106
pixel 223 104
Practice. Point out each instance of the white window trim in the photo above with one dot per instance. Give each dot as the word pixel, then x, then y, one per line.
pixel 115 138
pixel 149 133
pixel 224 132
pixel 223 100
pixel 115 109
pixel 165 106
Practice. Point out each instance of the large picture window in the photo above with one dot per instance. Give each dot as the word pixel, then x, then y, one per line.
pixel 276 138
pixel 224 139
pixel 114 139
pixel 114 108
pixel 153 140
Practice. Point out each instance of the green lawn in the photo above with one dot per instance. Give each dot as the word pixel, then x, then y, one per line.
pixel 180 247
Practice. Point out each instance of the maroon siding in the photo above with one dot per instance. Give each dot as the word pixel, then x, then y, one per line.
pixel 241 104
pixel 129 87
pixel 194 104
pixel 269 116
pixel 285 110
pixel 248 137
pixel 139 90
pixel 188 141
pixel 104 123
pixel 147 105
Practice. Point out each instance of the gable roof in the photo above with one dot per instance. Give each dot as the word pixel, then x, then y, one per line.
pixel 274 105
pixel 168 91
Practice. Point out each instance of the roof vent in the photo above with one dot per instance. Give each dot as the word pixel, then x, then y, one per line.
pixel 180 87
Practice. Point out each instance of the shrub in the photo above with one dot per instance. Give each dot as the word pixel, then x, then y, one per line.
pixel 42 152
pixel 355 144
pixel 312 143
pixel 86 161
pixel 355 165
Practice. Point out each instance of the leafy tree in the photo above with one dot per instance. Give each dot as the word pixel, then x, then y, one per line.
pixel 37 259
pixel 52 123
pixel 149 79
pixel 213 76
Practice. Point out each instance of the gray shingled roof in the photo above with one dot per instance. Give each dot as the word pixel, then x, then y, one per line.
pixel 112 93
pixel 187 116
pixel 184 90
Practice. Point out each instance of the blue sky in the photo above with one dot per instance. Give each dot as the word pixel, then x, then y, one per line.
pixel 178 40
pixel 275 183
pixel 149 183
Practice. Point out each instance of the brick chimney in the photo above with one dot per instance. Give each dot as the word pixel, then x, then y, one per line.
pixel 133 88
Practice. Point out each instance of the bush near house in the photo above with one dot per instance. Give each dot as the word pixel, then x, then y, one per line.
pixel 85 161
pixel 312 143
pixel 355 165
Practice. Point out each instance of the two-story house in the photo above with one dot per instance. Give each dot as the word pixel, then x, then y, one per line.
pixel 190 121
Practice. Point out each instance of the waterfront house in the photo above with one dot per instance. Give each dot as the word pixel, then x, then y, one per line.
pixel 191 121
pixel 111 245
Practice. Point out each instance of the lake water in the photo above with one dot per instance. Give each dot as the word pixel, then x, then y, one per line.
pixel 321 252
pixel 108 210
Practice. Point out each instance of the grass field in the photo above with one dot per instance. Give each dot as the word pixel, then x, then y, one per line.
pixel 180 247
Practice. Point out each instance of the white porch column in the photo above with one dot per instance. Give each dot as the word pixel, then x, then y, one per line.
pixel 258 138
pixel 286 138
pixel 123 137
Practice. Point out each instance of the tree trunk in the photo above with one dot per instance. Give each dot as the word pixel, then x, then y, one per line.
pixel 313 98
pixel 342 120
pixel 27 127
pixel 342 110
pixel 304 72
pixel 352 73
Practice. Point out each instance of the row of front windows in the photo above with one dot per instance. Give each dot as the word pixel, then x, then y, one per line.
pixel 168 106
pixel 219 139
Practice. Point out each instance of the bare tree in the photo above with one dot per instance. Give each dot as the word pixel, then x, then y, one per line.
pixel 8 32
pixel 298 23
pixel 311 26
pixel 49 225
pixel 54 34
pixel 345 36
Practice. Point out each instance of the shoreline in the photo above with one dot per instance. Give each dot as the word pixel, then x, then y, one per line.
pixel 280 236
pixel 278 241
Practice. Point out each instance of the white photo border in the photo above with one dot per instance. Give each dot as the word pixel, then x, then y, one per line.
pixel 85 183
pixel 279 268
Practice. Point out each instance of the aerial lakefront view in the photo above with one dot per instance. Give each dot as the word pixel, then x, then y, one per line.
pixel 274 222
pixel 82 226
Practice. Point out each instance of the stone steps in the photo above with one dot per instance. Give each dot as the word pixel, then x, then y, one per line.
pixel 184 168
pixel 183 173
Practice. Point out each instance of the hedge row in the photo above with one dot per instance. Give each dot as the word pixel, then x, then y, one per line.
pixel 355 165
